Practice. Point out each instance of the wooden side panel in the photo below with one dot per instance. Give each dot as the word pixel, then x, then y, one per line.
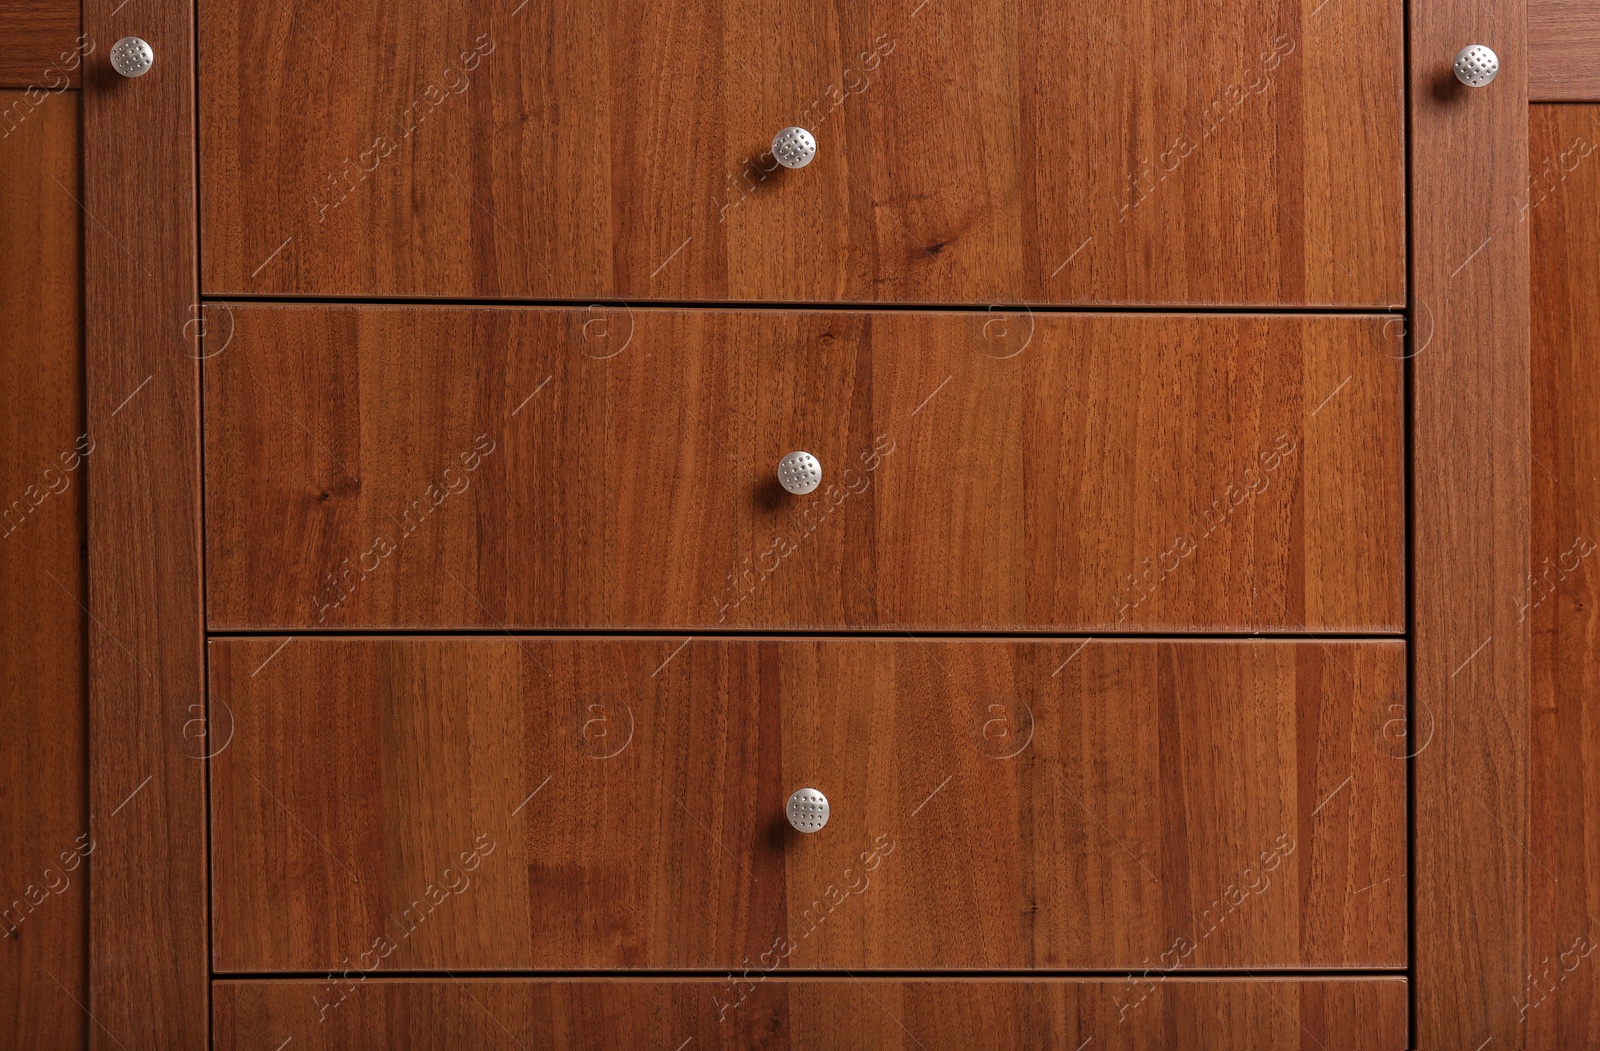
pixel 377 467
pixel 148 911
pixel 1561 996
pixel 926 1015
pixel 1563 51
pixel 44 747
pixel 1470 512
pixel 41 51
pixel 490 803
pixel 1185 155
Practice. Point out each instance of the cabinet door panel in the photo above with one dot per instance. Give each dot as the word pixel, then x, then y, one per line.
pixel 425 804
pixel 994 151
pixel 431 467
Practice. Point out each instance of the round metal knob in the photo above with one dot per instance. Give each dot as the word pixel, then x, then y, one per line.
pixel 808 810
pixel 799 473
pixel 794 147
pixel 132 57
pixel 1476 65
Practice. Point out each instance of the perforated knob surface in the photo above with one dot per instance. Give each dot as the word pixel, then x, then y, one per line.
pixel 132 57
pixel 794 147
pixel 808 810
pixel 799 473
pixel 1476 65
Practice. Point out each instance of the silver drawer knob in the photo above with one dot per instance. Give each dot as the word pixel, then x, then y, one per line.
pixel 799 473
pixel 794 147
pixel 808 810
pixel 132 57
pixel 1476 65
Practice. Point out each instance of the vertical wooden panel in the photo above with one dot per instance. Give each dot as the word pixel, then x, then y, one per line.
pixel 44 914
pixel 1470 513
pixel 148 978
pixel 1560 998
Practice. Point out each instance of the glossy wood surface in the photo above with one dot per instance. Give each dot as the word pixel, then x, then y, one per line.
pixel 148 911
pixel 1560 1000
pixel 1469 719
pixel 497 467
pixel 1004 151
pixel 40 42
pixel 44 758
pixel 1563 50
pixel 1060 1015
pixel 507 804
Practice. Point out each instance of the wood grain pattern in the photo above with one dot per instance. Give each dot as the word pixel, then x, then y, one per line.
pixel 1563 51
pixel 44 753
pixel 1470 517
pixel 1182 155
pixel 1007 472
pixel 505 804
pixel 1561 996
pixel 42 50
pixel 148 913
pixel 1059 1015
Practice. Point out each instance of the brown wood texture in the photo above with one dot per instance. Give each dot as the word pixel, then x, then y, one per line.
pixel 42 52
pixel 927 1014
pixel 1560 1000
pixel 1469 720
pixel 1180 155
pixel 496 803
pixel 1563 51
pixel 552 468
pixel 148 908
pixel 44 757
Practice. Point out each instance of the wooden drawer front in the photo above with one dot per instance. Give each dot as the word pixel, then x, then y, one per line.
pixel 990 151
pixel 1178 1014
pixel 508 804
pixel 383 467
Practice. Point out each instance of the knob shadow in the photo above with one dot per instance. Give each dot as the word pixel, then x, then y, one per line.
pixel 1445 85
pixel 759 170
pixel 769 495
pixel 776 834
